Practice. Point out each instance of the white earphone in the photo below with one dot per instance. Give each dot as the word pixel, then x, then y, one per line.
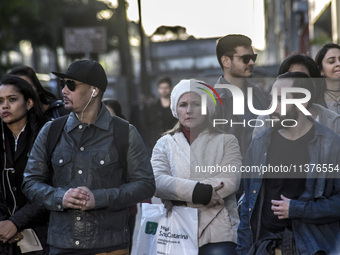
pixel 93 95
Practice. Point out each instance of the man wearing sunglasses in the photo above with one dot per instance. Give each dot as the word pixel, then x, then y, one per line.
pixel 237 59
pixel 84 185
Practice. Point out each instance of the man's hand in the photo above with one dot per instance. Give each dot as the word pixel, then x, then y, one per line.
pixel 7 230
pixel 90 203
pixel 76 198
pixel 281 207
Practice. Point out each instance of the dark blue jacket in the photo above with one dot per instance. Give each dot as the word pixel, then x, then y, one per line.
pixel 316 214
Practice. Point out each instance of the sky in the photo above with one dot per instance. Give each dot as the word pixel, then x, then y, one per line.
pixel 204 18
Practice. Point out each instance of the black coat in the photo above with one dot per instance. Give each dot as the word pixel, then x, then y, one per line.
pixel 158 121
pixel 16 207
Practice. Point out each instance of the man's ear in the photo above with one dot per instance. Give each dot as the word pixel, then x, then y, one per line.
pixel 29 104
pixel 225 61
pixel 95 91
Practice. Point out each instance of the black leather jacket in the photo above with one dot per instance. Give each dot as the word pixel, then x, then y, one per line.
pixel 86 156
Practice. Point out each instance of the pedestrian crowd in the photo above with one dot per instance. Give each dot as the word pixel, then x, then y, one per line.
pixel 73 171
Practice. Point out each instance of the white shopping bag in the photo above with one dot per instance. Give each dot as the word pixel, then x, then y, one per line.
pixel 175 235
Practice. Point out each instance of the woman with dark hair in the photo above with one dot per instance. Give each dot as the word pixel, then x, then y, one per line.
pixel 300 63
pixel 180 160
pixel 51 106
pixel 21 121
pixel 328 61
pixel 304 64
pixel 114 107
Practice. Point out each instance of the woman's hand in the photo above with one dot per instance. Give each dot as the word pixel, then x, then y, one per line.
pixel 16 238
pixel 7 230
pixel 168 206
pixel 216 200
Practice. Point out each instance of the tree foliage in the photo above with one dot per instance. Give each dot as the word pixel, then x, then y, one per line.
pixel 166 33
pixel 42 21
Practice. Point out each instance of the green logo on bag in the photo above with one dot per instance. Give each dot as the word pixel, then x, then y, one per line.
pixel 151 227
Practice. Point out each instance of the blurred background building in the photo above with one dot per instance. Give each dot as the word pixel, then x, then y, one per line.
pixel 49 36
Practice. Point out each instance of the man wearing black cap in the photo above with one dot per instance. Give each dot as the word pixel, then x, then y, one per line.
pixel 90 191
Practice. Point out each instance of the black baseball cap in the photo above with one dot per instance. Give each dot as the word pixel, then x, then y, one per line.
pixel 87 71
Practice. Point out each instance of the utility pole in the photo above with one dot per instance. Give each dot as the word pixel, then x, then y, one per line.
pixel 144 76
pixel 124 52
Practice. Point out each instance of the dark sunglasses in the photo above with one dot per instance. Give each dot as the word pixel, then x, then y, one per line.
pixel 71 85
pixel 247 58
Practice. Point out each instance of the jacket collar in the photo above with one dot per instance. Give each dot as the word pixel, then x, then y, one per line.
pixel 226 92
pixel 319 130
pixel 223 92
pixel 326 113
pixel 101 121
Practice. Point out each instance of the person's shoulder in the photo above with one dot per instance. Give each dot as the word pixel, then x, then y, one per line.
pixel 261 139
pixel 46 126
pixel 264 134
pixel 325 136
pixel 262 95
pixel 155 103
pixel 222 92
pixel 257 89
pixel 152 109
pixel 325 112
pixel 326 132
pixel 221 80
pixel 168 137
pixel 43 133
pixel 118 124
pixel 163 143
pixel 220 136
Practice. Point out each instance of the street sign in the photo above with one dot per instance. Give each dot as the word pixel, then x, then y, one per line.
pixel 85 40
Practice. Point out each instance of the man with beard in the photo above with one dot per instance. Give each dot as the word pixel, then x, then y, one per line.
pixel 293 208
pixel 88 183
pixel 236 57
